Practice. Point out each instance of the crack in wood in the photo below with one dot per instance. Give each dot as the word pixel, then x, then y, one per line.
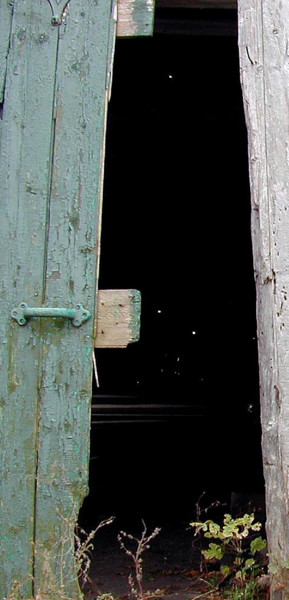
pixel 6 18
pixel 249 57
pixel 278 395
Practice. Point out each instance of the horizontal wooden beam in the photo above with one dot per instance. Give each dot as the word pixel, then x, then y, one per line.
pixel 118 318
pixel 191 23
pixel 196 4
pixel 135 18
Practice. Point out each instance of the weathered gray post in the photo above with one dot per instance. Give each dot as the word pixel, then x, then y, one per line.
pixel 264 61
pixel 55 72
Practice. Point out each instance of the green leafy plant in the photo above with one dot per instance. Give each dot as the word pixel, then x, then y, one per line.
pixel 250 591
pixel 200 511
pixel 232 544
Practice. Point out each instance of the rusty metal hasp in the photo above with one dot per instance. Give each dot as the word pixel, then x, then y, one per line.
pixel 78 315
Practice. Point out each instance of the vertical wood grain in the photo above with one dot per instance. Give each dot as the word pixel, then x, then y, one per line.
pixel 24 183
pixel 264 61
pixel 71 278
pixel 51 166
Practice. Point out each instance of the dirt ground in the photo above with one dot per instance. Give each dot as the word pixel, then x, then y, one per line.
pixel 168 565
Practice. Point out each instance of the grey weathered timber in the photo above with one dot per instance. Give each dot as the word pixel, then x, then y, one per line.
pixel 135 18
pixel 51 163
pixel 264 61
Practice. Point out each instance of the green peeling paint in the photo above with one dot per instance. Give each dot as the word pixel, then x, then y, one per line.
pixel 50 192
pixel 135 298
pixel 52 135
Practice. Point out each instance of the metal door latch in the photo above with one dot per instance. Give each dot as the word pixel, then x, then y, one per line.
pixel 78 315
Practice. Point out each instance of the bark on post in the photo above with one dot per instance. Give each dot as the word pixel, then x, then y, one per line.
pixel 264 62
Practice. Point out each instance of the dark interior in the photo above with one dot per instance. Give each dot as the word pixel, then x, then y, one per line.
pixel 176 226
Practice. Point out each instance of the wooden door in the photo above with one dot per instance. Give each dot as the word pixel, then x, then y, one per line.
pixel 56 64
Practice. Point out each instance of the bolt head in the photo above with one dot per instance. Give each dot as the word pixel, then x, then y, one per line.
pixel 55 20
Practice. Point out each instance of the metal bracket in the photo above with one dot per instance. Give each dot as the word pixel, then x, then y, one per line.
pixel 58 8
pixel 78 315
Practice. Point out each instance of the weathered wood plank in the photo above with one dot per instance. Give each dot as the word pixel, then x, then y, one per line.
pixel 71 267
pixel 135 18
pixel 24 184
pixel 264 60
pixel 118 318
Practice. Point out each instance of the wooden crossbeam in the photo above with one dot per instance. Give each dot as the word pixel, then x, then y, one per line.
pixel 118 318
pixel 196 4
pixel 135 18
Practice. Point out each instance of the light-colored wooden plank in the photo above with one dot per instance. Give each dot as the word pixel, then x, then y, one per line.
pixel 263 41
pixel 135 18
pixel 118 318
pixel 24 184
pixel 71 278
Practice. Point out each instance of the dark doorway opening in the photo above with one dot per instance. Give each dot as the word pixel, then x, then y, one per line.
pixel 176 226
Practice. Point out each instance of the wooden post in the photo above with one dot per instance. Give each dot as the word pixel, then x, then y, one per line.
pixel 264 61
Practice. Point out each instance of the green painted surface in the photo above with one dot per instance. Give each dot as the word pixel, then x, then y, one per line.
pixel 135 297
pixel 24 184
pixel 65 394
pixel 5 29
pixel 50 177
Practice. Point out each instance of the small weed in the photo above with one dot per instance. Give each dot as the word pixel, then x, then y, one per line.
pixel 134 548
pixel 82 546
pixel 83 549
pixel 17 590
pixel 250 591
